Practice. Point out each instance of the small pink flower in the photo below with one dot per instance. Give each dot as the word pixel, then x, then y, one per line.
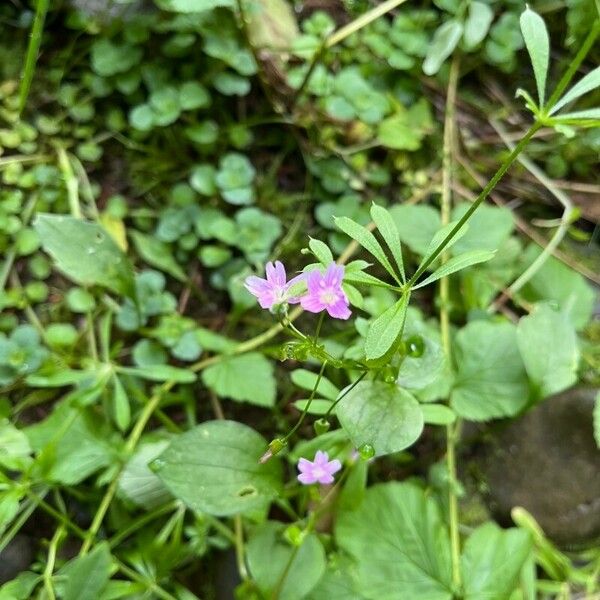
pixel 325 292
pixel 320 470
pixel 275 288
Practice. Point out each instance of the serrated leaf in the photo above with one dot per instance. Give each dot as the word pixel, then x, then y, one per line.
pixel 586 84
pixel 387 227
pixel 214 468
pixel 385 330
pixel 537 41
pixel 400 543
pixel 85 252
pixel 492 560
pixel 382 415
pixel 456 263
pixel 245 378
pixel 367 240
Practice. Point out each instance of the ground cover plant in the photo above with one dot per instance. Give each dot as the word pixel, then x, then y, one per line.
pixel 298 300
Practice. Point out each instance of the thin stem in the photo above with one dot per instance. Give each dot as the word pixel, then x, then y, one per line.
pixel 306 408
pixel 60 517
pixel 482 196
pixel 345 393
pixel 35 41
pixel 558 236
pixel 339 36
pixel 239 547
pixel 147 583
pixel 566 78
pixel 70 182
pixel 447 166
pixel 50 562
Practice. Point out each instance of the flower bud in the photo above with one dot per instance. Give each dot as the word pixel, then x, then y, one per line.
pixel 275 447
pixel 321 426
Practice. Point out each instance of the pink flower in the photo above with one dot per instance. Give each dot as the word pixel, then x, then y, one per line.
pixel 325 292
pixel 275 288
pixel 320 470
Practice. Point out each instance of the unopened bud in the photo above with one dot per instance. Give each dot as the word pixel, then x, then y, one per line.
pixel 275 447
pixel 321 426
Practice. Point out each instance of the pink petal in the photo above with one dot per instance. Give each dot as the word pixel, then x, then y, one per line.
pixel 333 466
pixel 256 285
pixel 321 458
pixel 313 280
pixel 312 303
pixel 325 479
pixel 339 310
pixel 280 275
pixel 304 465
pixel 334 275
pixel 307 478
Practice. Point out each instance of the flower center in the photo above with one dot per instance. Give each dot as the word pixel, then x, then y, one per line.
pixel 328 296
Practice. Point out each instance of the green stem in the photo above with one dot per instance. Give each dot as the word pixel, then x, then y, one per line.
pixel 447 165
pixel 310 399
pixel 239 547
pixel 482 196
pixel 346 392
pixel 49 569
pixel 32 51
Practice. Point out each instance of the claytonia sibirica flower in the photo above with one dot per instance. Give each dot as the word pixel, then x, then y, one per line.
pixel 320 470
pixel 275 289
pixel 325 292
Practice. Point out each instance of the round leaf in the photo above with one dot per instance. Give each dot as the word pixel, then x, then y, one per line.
pixel 382 415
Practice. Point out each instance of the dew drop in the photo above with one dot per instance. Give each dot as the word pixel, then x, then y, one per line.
pixel 366 451
pixel 415 346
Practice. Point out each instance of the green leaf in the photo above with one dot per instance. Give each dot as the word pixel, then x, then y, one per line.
pixel 492 561
pixel 437 414
pixel 548 345
pixel 71 444
pixel 281 570
pixel 109 58
pixel 556 281
pixel 138 483
pixel 15 451
pixel 445 40
pixel 121 408
pixel 387 227
pixel 367 240
pixel 456 263
pixel 245 378
pixel 160 373
pixel 417 224
pixel 590 113
pixel 215 468
pixel 537 41
pixel 385 330
pixel 271 24
pixel 158 254
pixel 382 415
pixel 400 543
pixel 321 252
pixel 597 419
pixel 192 6
pixel 85 252
pixel 491 381
pixel 489 227
pixel 586 84
pixel 307 379
pixel 87 576
pixel 477 24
